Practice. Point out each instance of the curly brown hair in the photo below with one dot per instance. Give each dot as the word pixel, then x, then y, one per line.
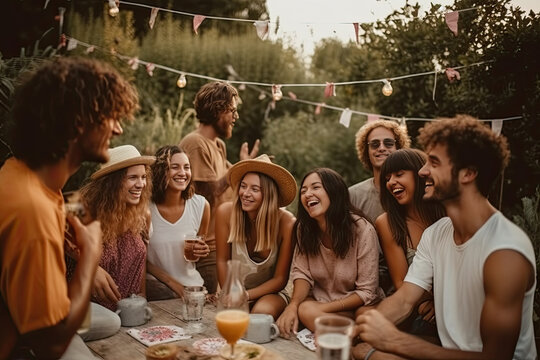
pixel 400 134
pixel 160 169
pixel 102 198
pixel 61 96
pixel 212 99
pixel 469 144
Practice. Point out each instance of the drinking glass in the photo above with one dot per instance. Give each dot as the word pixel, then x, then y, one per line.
pixel 190 241
pixel 333 337
pixel 193 305
pixel 232 318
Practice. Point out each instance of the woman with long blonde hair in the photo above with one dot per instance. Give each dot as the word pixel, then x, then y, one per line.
pixel 254 229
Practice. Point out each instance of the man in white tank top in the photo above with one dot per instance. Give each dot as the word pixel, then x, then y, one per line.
pixel 480 265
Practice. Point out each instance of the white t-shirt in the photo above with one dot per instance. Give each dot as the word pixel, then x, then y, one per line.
pixel 456 274
pixel 166 245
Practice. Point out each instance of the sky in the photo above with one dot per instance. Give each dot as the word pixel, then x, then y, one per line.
pixel 303 23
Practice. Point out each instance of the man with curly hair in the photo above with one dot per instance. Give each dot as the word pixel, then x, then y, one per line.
pixel 374 142
pixel 216 104
pixel 480 265
pixel 65 113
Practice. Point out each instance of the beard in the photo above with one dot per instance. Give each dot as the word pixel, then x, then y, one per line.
pixel 222 129
pixel 446 191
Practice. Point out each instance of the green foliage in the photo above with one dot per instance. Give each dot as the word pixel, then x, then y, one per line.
pixel 408 42
pixel 303 142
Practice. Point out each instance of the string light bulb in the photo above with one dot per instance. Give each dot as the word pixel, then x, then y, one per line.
pixel 113 8
pixel 182 81
pixel 387 88
pixel 276 92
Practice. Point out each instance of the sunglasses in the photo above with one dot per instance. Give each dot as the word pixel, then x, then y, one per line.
pixel 388 143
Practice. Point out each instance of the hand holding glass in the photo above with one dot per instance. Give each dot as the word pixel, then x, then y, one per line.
pixel 191 244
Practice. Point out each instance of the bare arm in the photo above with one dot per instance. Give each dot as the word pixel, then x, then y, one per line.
pixel 245 154
pixel 393 253
pixel 51 342
pixel 223 249
pixel 283 265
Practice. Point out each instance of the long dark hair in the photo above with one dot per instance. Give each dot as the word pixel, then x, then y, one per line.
pixel 429 211
pixel 339 217
pixel 160 169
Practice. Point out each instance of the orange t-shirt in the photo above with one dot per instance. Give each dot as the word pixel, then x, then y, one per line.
pixel 32 272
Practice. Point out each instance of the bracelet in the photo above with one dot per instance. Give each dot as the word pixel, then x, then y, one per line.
pixel 369 353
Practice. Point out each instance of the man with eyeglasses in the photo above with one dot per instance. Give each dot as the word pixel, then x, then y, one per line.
pixel 374 142
pixel 216 106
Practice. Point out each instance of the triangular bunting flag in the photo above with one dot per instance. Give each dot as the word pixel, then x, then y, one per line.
pixel 150 69
pixel 72 44
pixel 329 90
pixel 452 21
pixel 197 20
pixel 356 33
pixel 90 49
pixel 319 107
pixel 496 126
pixel 262 28
pixel 153 15
pixel 133 63
pixel 345 118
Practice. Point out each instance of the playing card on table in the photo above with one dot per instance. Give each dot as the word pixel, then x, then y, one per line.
pixel 307 338
pixel 154 335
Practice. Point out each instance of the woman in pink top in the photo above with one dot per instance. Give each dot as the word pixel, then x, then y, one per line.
pixel 335 265
pixel 118 196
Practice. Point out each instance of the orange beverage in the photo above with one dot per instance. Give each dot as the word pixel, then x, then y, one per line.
pixel 232 324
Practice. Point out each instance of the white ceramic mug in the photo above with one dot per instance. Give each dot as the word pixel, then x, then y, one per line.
pixel 261 329
pixel 134 311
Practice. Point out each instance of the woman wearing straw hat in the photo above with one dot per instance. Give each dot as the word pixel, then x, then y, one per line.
pixel 255 230
pixel 176 211
pixel 335 265
pixel 117 195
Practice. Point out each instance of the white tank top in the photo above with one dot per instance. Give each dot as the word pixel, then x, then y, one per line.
pixel 166 246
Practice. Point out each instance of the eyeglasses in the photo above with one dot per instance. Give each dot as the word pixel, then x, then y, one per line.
pixel 388 143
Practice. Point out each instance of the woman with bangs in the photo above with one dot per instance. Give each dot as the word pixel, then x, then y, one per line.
pixel 255 230
pixel 405 218
pixel 335 265
pixel 176 211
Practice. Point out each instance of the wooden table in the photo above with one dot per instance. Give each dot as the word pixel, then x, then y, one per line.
pixel 168 312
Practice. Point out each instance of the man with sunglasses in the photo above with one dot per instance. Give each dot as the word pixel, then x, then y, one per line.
pixel 374 142
pixel 216 106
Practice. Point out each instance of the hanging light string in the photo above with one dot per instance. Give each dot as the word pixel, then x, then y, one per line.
pixel 244 20
pixel 253 83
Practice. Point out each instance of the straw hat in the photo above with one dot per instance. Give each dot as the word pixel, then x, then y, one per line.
pixel 285 181
pixel 122 157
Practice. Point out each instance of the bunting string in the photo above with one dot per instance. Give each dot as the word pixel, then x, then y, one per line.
pixel 134 62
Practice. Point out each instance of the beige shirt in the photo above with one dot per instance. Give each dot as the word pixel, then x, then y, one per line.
pixel 208 160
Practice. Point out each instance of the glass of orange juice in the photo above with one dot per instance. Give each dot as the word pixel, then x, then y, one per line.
pixel 232 318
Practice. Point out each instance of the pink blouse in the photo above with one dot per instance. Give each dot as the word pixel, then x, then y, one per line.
pixel 333 278
pixel 125 261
